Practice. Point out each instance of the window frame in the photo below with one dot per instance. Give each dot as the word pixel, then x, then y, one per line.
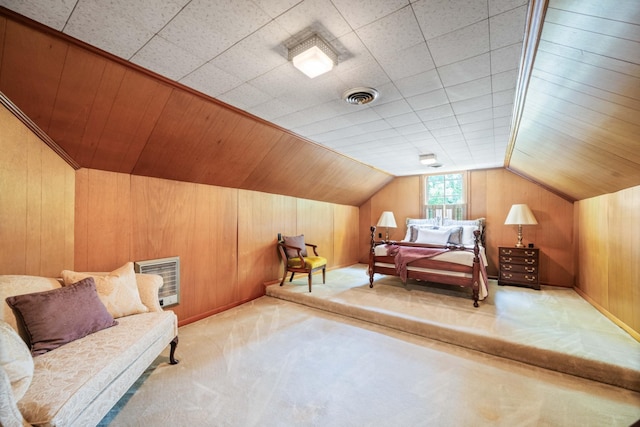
pixel 456 211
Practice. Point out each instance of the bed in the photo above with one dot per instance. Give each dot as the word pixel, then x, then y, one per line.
pixel 450 253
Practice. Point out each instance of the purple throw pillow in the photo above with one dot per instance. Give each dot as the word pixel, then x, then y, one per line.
pixel 59 316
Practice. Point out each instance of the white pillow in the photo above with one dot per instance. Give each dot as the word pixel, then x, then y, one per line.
pixel 16 360
pixel 438 237
pixel 468 239
pixel 418 222
pixel 117 290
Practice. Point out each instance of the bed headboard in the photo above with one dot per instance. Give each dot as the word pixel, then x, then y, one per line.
pixel 468 224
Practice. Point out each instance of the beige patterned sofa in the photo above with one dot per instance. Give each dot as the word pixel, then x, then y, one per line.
pixel 79 381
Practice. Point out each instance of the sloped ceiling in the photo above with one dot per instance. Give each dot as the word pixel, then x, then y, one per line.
pixel 575 105
pixel 580 125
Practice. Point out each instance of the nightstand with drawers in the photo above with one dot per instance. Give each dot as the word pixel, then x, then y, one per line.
pixel 519 266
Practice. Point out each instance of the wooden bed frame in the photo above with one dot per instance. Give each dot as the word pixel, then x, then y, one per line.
pixel 473 282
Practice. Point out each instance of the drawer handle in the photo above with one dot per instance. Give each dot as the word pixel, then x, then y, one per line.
pixel 530 269
pixel 530 278
pixel 530 261
pixel 507 267
pixel 506 251
pixel 532 253
pixel 508 275
pixel 507 259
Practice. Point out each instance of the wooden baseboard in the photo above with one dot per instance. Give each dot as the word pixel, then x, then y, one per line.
pixel 635 334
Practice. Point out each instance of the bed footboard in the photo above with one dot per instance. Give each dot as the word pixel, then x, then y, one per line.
pixel 429 273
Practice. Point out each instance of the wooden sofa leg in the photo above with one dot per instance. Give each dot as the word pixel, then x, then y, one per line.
pixel 172 352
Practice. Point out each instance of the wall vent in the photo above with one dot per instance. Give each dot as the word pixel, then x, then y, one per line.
pixel 169 269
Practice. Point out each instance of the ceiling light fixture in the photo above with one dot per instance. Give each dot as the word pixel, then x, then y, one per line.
pixel 428 159
pixel 313 56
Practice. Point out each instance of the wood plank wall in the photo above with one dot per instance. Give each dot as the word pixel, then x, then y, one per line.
pixel 609 273
pixel 225 237
pixel 492 192
pixel 36 203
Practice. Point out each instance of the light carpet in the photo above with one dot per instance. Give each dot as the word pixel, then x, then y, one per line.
pixel 552 328
pixel 273 362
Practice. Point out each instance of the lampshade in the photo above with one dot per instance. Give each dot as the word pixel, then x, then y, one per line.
pixel 387 220
pixel 313 56
pixel 520 215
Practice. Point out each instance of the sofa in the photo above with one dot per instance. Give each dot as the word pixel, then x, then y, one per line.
pixel 71 347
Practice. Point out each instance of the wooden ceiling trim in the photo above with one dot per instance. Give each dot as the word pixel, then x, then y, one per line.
pixel 533 29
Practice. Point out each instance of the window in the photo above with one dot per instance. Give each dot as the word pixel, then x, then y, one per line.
pixel 445 196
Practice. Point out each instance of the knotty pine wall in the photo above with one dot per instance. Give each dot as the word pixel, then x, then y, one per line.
pixel 608 273
pixel 225 237
pixel 36 203
pixel 492 192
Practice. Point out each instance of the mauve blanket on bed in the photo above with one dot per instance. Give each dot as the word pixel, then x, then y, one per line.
pixel 404 255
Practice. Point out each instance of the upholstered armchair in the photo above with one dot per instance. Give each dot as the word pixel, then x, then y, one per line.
pixel 293 252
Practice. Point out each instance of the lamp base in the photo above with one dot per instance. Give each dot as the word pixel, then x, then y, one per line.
pixel 519 244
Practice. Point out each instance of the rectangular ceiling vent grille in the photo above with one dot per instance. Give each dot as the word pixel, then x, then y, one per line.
pixel 169 270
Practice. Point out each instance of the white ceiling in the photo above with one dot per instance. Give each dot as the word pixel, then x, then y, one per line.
pixel 446 70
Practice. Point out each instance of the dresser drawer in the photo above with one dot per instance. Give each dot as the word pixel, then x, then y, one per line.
pixel 518 260
pixel 524 278
pixel 519 268
pixel 519 252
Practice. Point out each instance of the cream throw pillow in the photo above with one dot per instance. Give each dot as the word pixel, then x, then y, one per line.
pixel 117 290
pixel 16 360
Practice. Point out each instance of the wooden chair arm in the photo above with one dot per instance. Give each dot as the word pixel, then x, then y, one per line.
pixel 314 248
pixel 286 258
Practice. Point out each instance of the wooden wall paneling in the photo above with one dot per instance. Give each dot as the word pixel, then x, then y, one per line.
pixel 164 226
pixel 402 197
pixel 14 175
pixel 81 221
pixel 32 60
pixel 476 191
pixel 77 91
pixel 202 252
pixel 346 235
pixel 315 221
pixel 261 216
pixel 364 240
pixel 555 233
pixel 55 225
pixel 103 221
pixel 624 271
pixel 223 214
pixel 134 113
pixel 593 249
pixel 36 203
pixel 35 198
